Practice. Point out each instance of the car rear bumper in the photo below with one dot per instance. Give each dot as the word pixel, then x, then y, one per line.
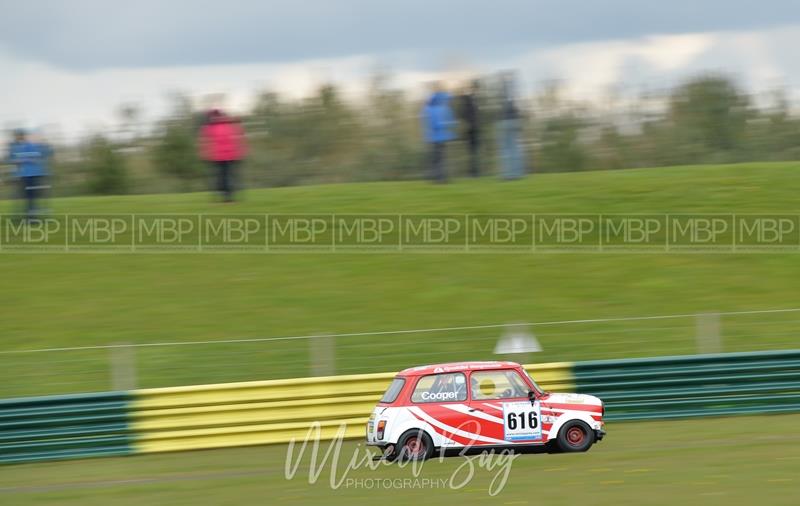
pixel 599 434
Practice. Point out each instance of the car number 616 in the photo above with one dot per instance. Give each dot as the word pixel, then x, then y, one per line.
pixel 518 419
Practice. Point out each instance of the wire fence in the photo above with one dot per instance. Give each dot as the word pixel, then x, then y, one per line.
pixel 120 366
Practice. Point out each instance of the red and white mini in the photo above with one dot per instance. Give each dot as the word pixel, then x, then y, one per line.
pixel 492 405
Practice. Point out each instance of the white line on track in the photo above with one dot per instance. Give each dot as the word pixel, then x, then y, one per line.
pixel 398 332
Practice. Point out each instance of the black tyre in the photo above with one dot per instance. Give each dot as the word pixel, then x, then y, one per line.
pixel 575 436
pixel 414 445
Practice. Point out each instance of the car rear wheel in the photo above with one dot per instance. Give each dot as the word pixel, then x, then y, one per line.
pixel 414 445
pixel 575 436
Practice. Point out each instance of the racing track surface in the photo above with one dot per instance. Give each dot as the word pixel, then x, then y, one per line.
pixel 733 460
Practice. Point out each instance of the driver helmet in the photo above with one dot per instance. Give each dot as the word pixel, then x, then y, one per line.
pixel 487 387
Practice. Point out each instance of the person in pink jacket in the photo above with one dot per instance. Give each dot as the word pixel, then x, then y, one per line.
pixel 223 144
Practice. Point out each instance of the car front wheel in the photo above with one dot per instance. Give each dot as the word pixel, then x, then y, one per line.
pixel 575 436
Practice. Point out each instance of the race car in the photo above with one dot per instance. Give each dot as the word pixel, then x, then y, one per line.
pixel 466 405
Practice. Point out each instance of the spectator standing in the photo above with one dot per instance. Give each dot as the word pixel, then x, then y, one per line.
pixel 223 145
pixel 438 121
pixel 30 159
pixel 509 132
pixel 470 115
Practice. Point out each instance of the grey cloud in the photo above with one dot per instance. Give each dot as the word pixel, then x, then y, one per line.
pixel 95 34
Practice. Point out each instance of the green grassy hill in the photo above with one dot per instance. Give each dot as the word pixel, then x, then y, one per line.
pixel 65 300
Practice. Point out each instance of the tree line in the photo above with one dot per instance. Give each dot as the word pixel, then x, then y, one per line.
pixel 324 138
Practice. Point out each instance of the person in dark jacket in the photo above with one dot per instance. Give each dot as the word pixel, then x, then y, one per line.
pixel 471 117
pixel 222 143
pixel 437 123
pixel 30 159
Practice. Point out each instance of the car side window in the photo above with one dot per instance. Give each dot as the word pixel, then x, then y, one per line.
pixel 488 385
pixel 393 391
pixel 441 388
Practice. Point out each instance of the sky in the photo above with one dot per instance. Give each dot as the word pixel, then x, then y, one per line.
pixel 72 63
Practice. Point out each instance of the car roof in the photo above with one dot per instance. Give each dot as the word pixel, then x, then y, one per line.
pixel 456 367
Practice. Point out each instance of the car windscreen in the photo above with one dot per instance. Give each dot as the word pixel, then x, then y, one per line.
pixel 393 391
pixel 535 385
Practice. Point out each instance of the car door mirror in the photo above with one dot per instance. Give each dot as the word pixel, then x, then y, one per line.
pixel 532 396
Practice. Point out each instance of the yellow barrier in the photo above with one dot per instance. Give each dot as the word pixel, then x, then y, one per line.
pixel 264 412
pixel 553 377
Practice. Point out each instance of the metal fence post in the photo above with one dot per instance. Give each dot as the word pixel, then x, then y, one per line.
pixel 708 335
pixel 123 366
pixel 322 355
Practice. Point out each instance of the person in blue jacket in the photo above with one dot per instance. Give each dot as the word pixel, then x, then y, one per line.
pixel 437 123
pixel 30 159
pixel 509 132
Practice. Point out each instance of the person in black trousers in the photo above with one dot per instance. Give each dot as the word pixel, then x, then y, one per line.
pixel 223 144
pixel 471 116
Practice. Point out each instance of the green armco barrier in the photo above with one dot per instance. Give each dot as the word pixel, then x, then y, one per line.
pixel 696 385
pixel 64 426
